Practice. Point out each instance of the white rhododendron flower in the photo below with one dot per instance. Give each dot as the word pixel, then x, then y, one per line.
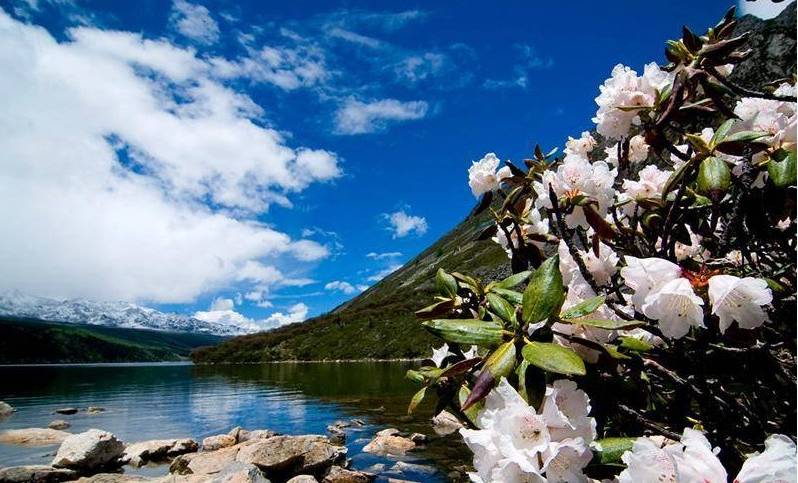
pixel 483 177
pixel 651 182
pixel 533 224
pixel 675 307
pixel 776 464
pixel 515 443
pixel 471 353
pixel 739 299
pixel 638 149
pixel 578 176
pixel 684 251
pixel 602 267
pixel 777 118
pixel 439 354
pixel 626 89
pixel 647 275
pixel 580 146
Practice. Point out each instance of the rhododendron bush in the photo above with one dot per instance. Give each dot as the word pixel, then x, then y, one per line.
pixel 648 330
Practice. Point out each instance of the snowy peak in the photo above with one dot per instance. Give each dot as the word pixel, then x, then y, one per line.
pixel 114 314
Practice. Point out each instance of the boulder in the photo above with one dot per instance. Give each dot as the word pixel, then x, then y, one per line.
pixel 138 454
pixel 388 432
pixel 59 424
pixel 287 456
pixel 35 474
pixel 342 475
pixel 419 438
pixel 389 445
pixel 90 450
pixel 6 409
pixel 238 472
pixel 303 479
pixel 112 478
pixel 337 434
pixel 33 436
pixel 255 434
pixel 403 467
pixel 66 411
pixel 95 409
pixel 212 443
pixel 445 423
pixel 206 463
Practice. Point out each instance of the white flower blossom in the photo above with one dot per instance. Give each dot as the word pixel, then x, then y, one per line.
pixel 626 89
pixel 533 224
pixel 482 175
pixel 651 182
pixel 675 307
pixel 638 149
pixel 777 118
pixel 739 299
pixel 471 353
pixel 776 464
pixel 580 146
pixel 515 443
pixel 646 275
pixel 684 251
pixel 439 354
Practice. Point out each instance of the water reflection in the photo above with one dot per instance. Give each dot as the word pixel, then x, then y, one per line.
pixel 170 400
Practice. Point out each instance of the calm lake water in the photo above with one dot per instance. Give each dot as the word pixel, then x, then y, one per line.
pixel 152 401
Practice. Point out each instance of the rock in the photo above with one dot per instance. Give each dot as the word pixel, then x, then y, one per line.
pixel 403 467
pixel 445 423
pixel 59 424
pixel 208 463
pixel 235 432
pixel 291 455
pixel 112 478
pixel 35 474
pixel 341 475
pixel 66 411
pixel 380 409
pixel 337 434
pixel 389 445
pixel 388 432
pixel 255 434
pixel 212 443
pixel 33 436
pixel 138 454
pixel 419 438
pixel 89 450
pixel 6 409
pixel 303 479
pixel 95 409
pixel 358 422
pixel 238 472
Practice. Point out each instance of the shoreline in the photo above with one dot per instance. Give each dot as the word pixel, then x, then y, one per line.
pixel 191 363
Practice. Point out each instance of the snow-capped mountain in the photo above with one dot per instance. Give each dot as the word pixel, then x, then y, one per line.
pixel 114 314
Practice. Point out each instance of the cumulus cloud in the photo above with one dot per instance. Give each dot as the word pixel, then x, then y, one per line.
pixel 356 117
pixel 194 22
pixel 132 172
pixel 296 313
pixel 403 224
pixel 384 273
pixel 382 256
pixel 341 286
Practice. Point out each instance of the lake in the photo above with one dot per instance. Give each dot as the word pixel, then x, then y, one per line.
pixel 154 401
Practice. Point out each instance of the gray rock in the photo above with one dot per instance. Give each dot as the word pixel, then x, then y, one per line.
pixel 255 434
pixel 337 434
pixel 291 455
pixel 445 423
pixel 389 445
pixel 219 441
pixel 403 467
pixel 33 436
pixel 139 454
pixel 336 474
pixel 35 474
pixel 303 479
pixel 419 438
pixel 388 432
pixel 90 450
pixel 238 472
pixel 6 409
pixel 59 424
pixel 95 409
pixel 206 463
pixel 66 411
pixel 112 478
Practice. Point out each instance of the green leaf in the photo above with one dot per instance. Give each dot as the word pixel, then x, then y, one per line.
pixel 714 178
pixel 721 133
pixel 611 449
pixel 545 293
pixel 513 280
pixel 499 364
pixel 783 171
pixel 512 296
pixel 583 308
pixel 745 136
pixel 473 411
pixel 414 376
pixel 417 398
pixel 554 358
pixel 635 344
pixel 502 308
pixel 466 331
pixel 675 179
pixel 435 310
pixel 606 324
pixel 614 352
pixel 447 285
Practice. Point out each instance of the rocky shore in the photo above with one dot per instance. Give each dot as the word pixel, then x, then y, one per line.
pixel 238 456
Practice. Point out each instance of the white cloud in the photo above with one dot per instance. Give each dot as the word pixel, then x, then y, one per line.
pixel 362 287
pixel 114 189
pixel 415 68
pixel 220 303
pixel 287 67
pixel 221 312
pixel 403 224
pixel 762 8
pixel 344 287
pixel 382 256
pixel 195 22
pixel 356 117
pixel 296 313
pixel 384 273
pixel 356 38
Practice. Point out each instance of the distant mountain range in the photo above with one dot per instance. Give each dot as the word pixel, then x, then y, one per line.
pixel 113 314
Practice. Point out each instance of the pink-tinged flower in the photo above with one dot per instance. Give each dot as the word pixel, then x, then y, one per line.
pixel 645 275
pixel 776 464
pixel 777 118
pixel 532 224
pixel 483 177
pixel 675 307
pixel 580 146
pixel 739 299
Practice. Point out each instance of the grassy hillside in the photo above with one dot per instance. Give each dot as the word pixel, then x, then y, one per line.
pixel 380 322
pixel 29 341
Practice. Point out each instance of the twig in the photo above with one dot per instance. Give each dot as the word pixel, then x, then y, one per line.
pixel 740 90
pixel 649 423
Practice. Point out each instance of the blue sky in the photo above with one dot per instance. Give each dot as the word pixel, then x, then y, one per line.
pixel 361 117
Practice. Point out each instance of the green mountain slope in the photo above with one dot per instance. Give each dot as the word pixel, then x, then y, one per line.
pixel 30 341
pixel 380 323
